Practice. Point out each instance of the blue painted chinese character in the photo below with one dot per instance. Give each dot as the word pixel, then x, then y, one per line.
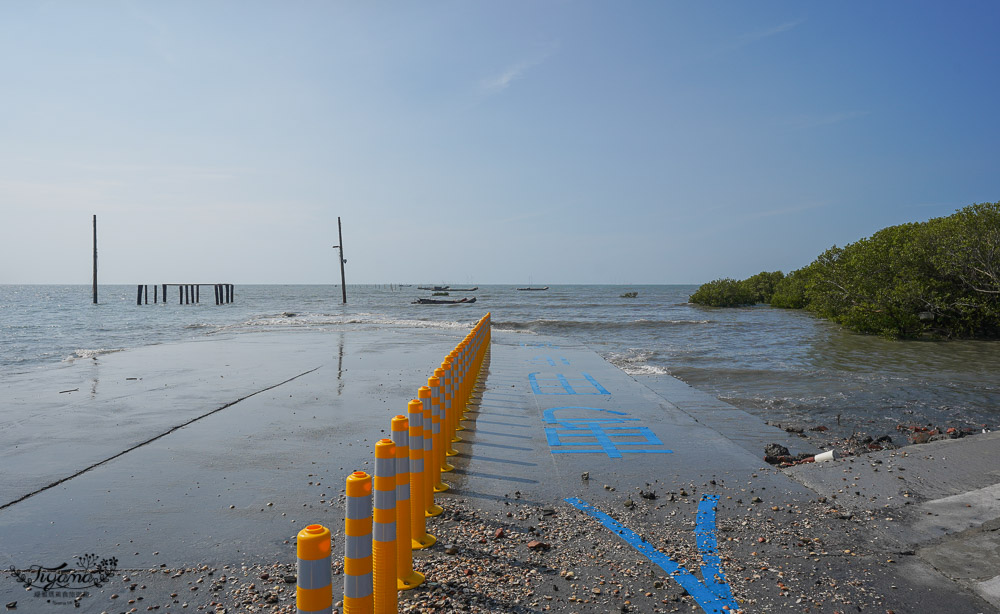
pixel 587 434
pixel 560 384
pixel 549 360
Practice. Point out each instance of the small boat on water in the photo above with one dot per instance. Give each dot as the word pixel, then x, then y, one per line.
pixel 435 288
pixel 534 289
pixel 431 301
pixel 464 289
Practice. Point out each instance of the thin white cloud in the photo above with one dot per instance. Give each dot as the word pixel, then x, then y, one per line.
pixel 161 35
pixel 750 38
pixel 753 37
pixel 500 82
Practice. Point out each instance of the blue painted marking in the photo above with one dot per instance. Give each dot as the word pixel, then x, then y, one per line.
pixel 563 385
pixel 601 436
pixel 704 533
pixel 598 433
pixel 596 385
pixel 711 594
pixel 548 360
pixel 553 437
pixel 549 415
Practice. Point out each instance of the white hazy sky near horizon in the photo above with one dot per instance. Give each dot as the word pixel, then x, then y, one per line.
pixel 560 141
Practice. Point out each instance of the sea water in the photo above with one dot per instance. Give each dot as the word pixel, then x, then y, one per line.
pixel 786 366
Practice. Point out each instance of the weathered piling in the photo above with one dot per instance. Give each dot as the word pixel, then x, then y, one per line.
pixel 95 259
pixel 187 294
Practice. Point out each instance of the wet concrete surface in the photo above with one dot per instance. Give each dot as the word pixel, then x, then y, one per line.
pixel 273 424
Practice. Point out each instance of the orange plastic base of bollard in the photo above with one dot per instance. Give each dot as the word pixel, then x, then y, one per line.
pixel 428 541
pixel 411 581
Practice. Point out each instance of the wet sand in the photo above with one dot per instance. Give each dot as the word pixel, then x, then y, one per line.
pixel 195 464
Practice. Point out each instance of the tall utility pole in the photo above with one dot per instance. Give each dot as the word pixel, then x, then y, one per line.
pixel 95 259
pixel 343 283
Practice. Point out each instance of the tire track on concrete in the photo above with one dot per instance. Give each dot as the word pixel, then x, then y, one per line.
pixel 151 440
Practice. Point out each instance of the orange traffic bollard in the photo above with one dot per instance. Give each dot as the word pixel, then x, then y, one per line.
pixel 419 486
pixel 459 386
pixel 447 415
pixel 438 417
pixel 384 528
pixel 450 366
pixel 432 465
pixel 406 578
pixel 314 583
pixel 358 545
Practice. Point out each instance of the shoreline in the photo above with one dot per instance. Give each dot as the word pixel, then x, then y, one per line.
pixel 197 499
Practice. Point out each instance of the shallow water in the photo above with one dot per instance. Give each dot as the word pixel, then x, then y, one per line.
pixel 785 366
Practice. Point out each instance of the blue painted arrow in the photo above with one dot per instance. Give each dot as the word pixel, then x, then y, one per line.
pixel 711 594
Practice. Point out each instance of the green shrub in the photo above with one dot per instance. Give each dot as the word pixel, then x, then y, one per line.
pixel 790 292
pixel 723 293
pixel 762 285
pixel 940 277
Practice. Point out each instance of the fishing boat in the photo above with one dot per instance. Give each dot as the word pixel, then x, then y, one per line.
pixel 529 288
pixel 431 301
pixel 464 289
pixel 435 288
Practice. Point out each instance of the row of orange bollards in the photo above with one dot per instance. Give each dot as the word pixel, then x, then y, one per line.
pixel 386 516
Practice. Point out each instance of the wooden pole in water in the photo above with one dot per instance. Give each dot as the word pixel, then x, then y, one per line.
pixel 343 282
pixel 95 258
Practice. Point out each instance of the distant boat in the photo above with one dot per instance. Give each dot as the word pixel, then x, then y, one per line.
pixel 431 301
pixel 464 289
pixel 435 288
pixel 534 289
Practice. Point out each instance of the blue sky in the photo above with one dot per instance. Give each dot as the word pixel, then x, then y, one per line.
pixel 485 142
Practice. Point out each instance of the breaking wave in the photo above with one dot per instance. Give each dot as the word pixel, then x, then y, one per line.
pixel 320 321
pixel 78 354
pixel 571 326
pixel 636 362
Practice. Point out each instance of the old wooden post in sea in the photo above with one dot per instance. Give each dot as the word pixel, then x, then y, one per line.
pixel 343 284
pixel 95 258
pixel 186 293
